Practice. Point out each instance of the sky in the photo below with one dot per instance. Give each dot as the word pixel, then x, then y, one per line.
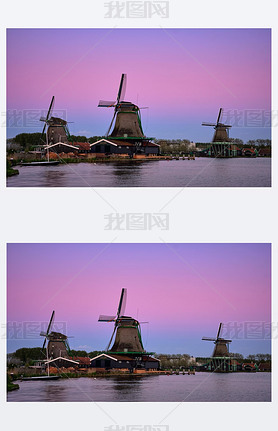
pixel 183 77
pixel 183 291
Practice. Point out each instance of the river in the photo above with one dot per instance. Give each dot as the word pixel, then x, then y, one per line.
pixel 235 387
pixel 202 172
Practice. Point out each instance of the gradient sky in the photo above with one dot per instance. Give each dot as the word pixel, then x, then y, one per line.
pixel 183 75
pixel 182 290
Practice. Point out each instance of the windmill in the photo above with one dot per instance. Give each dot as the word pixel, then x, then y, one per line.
pixel 221 348
pixel 57 129
pixel 57 345
pixel 128 116
pixel 128 331
pixel 221 133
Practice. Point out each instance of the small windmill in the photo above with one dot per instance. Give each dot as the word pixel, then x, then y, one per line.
pixel 221 133
pixel 57 343
pixel 57 128
pixel 128 331
pixel 221 348
pixel 128 116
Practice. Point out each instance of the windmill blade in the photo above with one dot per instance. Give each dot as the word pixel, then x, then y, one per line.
pixel 111 123
pixel 208 124
pixel 50 322
pixel 50 109
pixel 43 130
pixel 122 88
pixel 219 331
pixel 122 303
pixel 106 103
pixel 208 339
pixel 225 341
pixel 110 341
pixel 219 115
pixel 104 318
pixel 43 346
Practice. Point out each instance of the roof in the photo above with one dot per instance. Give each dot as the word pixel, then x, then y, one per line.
pixel 61 143
pixel 113 357
pixel 265 366
pixel 116 143
pixel 83 145
pixel 249 149
pixel 150 144
pixel 150 358
pixel 82 360
pixel 63 359
pixel 248 364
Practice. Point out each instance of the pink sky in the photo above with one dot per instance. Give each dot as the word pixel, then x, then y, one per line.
pixel 183 75
pixel 182 290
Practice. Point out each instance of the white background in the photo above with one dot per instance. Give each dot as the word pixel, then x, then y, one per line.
pixel 238 215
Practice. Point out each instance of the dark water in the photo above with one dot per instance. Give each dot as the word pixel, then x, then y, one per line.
pixel 199 387
pixel 202 172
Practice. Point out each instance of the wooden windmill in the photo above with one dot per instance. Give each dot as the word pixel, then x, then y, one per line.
pixel 128 332
pixel 128 116
pixel 57 129
pixel 221 133
pixel 221 348
pixel 57 345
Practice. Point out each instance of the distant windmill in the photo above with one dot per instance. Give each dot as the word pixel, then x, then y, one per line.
pixel 57 129
pixel 221 348
pixel 57 345
pixel 221 133
pixel 128 332
pixel 128 116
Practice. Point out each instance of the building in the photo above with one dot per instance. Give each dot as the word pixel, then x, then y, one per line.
pixel 132 363
pixel 124 148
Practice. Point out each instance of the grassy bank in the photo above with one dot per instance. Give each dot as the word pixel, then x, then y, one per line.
pixel 10 385
pixel 10 172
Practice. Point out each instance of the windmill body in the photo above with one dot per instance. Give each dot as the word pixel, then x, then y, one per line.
pixel 57 345
pixel 128 336
pixel 221 359
pixel 128 123
pixel 221 145
pixel 57 131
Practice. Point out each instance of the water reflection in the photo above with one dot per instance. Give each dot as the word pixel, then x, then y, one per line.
pixel 235 387
pixel 202 172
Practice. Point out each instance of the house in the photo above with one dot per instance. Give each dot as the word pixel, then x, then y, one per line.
pixel 265 152
pixel 265 366
pixel 249 367
pixel 61 362
pixel 127 148
pixel 120 362
pixel 249 152
pixel 83 147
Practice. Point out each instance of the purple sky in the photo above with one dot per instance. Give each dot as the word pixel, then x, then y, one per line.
pixel 182 290
pixel 183 75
